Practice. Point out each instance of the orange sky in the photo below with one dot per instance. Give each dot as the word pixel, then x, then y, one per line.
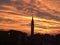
pixel 17 14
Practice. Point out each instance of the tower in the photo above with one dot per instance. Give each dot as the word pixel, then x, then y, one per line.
pixel 32 26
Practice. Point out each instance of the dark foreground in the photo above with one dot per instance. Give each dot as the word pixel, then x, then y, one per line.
pixel 20 38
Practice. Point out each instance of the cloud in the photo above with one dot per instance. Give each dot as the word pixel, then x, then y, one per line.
pixel 4 1
pixel 17 15
pixel 47 15
pixel 53 4
pixel 7 20
pixel 3 8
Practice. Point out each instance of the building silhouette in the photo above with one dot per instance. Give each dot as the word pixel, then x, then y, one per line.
pixel 32 26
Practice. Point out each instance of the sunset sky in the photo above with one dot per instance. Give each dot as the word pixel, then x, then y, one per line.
pixel 17 15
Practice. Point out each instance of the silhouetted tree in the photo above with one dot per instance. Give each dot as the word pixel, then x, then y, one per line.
pixel 57 39
pixel 13 37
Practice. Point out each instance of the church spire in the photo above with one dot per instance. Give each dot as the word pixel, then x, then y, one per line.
pixel 32 26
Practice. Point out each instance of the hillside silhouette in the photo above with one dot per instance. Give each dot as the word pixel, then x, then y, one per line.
pixel 13 37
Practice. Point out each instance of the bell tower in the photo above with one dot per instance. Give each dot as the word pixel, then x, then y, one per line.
pixel 32 26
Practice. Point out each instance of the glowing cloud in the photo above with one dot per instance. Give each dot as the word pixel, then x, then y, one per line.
pixel 17 16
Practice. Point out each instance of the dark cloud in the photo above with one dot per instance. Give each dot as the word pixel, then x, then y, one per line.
pixel 29 9
pixel 4 1
pixel 56 12
pixel 55 27
pixel 27 24
pixel 13 13
pixel 10 12
pixel 3 8
pixel 47 15
pixel 7 20
pixel 39 14
pixel 43 27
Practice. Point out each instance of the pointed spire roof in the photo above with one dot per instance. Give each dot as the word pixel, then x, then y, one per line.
pixel 32 16
pixel 32 26
pixel 32 19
